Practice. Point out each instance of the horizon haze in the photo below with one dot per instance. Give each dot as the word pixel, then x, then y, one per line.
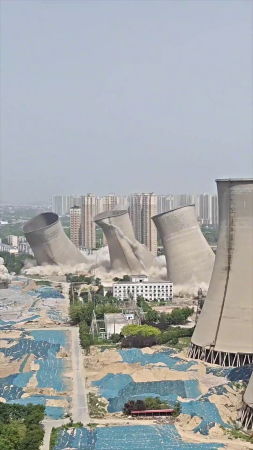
pixel 124 97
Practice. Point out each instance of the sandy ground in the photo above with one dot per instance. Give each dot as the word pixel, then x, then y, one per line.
pixel 8 367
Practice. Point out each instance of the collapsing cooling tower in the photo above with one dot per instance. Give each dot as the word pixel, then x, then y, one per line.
pixel 224 332
pixel 246 413
pixel 189 258
pixel 49 242
pixel 126 254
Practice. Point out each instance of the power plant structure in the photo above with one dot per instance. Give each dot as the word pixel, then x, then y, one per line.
pixel 189 258
pixel 49 242
pixel 224 331
pixel 126 253
pixel 246 413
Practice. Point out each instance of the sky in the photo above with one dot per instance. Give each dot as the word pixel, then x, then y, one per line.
pixel 124 96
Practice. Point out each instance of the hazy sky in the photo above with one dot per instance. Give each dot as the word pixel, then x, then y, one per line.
pixel 124 96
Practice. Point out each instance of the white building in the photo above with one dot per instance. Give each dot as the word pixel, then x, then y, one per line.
pixel 140 286
pixel 24 247
pixel 12 240
pixel 8 249
pixel 115 322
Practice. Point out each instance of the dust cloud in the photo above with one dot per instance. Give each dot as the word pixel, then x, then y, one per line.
pixel 5 277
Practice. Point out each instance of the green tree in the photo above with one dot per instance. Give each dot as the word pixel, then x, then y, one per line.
pixel 152 316
pixel 142 330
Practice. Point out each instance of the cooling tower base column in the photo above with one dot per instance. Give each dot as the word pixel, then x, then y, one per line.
pixel 212 356
pixel 246 417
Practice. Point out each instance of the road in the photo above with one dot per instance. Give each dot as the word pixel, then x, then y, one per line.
pixel 79 399
pixel 48 425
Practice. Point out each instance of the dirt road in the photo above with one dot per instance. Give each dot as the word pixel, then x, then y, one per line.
pixel 79 399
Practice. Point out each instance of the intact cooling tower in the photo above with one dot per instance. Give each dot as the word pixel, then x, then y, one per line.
pixel 49 242
pixel 189 258
pixel 224 332
pixel 126 254
pixel 246 413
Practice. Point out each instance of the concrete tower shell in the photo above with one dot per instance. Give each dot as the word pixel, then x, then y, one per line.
pixel 189 258
pixel 224 332
pixel 246 413
pixel 126 253
pixel 49 242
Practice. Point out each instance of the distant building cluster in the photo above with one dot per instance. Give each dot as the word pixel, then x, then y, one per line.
pixel 141 207
pixel 16 245
pixel 206 206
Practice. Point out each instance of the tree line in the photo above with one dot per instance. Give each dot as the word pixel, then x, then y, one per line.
pixel 20 426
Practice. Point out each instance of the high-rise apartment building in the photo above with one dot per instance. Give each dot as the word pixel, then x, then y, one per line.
pixel 149 231
pixel 135 208
pixel 61 204
pixel 109 202
pixel 141 208
pixel 75 225
pixel 88 227
pixel 206 205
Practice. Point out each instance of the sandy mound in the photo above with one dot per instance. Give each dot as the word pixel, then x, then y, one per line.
pixel 28 363
pixel 57 403
pixel 158 374
pixel 8 367
pixel 62 353
pixel 6 344
pixel 187 422
pixel 227 405
pixel 31 386
pixel 149 350
pixel 31 286
pixel 115 368
pixel 34 366
pixel 216 432
pixel 10 334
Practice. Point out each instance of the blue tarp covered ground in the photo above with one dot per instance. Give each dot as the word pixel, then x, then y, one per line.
pixel 135 355
pixel 44 346
pixel 136 437
pixel 118 389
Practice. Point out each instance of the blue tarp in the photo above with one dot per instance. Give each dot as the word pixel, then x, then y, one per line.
pixel 136 437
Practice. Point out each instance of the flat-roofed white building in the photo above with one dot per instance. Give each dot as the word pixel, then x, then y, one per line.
pixel 115 322
pixel 140 286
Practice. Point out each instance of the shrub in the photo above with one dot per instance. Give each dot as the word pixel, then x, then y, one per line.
pixel 150 403
pixel 140 330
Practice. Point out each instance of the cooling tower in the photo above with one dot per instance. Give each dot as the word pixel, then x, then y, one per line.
pixel 49 242
pixel 126 253
pixel 246 413
pixel 189 258
pixel 224 332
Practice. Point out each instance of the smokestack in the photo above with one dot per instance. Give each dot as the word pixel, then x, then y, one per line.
pixel 49 242
pixel 126 253
pixel 189 258
pixel 246 413
pixel 224 332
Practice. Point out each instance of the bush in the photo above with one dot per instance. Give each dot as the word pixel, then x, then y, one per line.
pixel 138 341
pixel 150 403
pixel 115 338
pixel 140 330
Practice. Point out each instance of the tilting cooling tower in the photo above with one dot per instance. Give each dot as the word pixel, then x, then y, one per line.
pixel 188 256
pixel 126 254
pixel 224 332
pixel 49 242
pixel 246 413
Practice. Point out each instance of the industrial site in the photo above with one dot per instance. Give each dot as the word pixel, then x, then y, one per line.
pixel 126 349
